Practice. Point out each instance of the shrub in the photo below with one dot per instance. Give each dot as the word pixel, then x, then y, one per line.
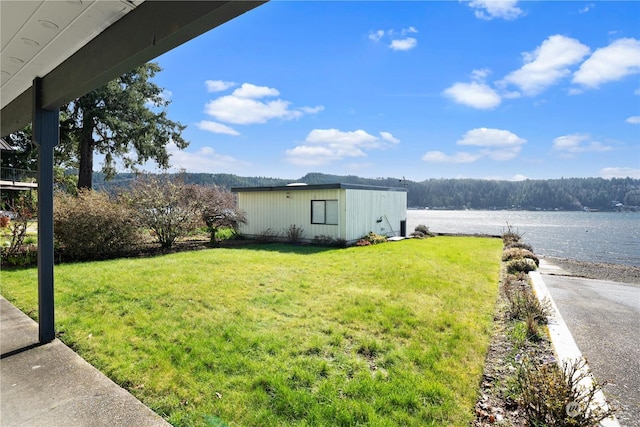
pixel 523 304
pixel 218 210
pixel 294 233
pixel 267 236
pixel 371 239
pixel 520 265
pixel 23 210
pixel 422 231
pixel 553 396
pixel 519 253
pixel 92 225
pixel 169 207
pixel 24 256
pixel 520 245
pixel 511 236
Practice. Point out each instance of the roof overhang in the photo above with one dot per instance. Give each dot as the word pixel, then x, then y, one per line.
pixel 313 187
pixel 78 45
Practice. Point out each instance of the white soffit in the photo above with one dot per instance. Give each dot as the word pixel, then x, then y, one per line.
pixel 37 36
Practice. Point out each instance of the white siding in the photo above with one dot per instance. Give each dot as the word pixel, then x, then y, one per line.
pixel 359 212
pixel 277 210
pixel 365 209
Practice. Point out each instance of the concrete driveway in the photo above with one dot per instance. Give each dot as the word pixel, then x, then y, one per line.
pixel 604 319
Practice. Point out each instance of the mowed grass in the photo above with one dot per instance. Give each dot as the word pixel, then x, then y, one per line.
pixel 279 335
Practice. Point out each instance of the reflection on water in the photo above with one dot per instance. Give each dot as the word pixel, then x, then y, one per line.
pixel 588 236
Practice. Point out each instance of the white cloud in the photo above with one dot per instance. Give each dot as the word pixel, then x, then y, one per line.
pixel 218 85
pixel 636 92
pixel 323 146
pixel 547 65
pixel 403 44
pixel 205 159
pixel 578 143
pixel 216 128
pixel 490 9
pixel 496 144
pixel 487 137
pixel 617 172
pixel 409 30
pixel 587 8
pixel 634 120
pixel 312 110
pixel 459 157
pixel 474 94
pixel 376 35
pixel 614 62
pixel 248 90
pixel 244 106
pixel 389 138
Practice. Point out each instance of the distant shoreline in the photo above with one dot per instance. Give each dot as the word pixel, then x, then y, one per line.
pixel 598 270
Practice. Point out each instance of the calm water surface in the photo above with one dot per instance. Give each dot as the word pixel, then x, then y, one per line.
pixel 612 237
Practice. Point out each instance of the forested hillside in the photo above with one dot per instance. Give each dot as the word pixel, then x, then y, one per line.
pixel 562 194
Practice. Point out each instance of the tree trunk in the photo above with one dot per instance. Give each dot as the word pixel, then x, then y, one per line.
pixel 85 168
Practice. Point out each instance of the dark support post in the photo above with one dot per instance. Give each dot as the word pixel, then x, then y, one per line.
pixel 46 134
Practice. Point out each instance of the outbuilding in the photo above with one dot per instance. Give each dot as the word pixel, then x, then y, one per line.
pixel 342 212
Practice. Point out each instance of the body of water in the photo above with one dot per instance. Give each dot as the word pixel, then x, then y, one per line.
pixel 612 237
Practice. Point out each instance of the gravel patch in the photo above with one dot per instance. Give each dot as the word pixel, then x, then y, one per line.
pixel 598 270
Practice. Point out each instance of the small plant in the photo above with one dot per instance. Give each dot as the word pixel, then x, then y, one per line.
pixel 511 235
pixel 520 245
pixel 524 305
pixel 519 253
pixel 294 233
pixel 422 231
pixel 267 236
pixel 553 396
pixel 524 265
pixel 23 210
pixel 371 239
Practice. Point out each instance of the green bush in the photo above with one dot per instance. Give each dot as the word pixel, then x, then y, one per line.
pixel 92 225
pixel 24 256
pixel 519 253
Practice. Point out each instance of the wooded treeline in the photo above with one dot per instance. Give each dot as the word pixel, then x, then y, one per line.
pixel 551 194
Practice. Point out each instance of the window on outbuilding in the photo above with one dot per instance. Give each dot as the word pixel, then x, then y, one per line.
pixel 324 212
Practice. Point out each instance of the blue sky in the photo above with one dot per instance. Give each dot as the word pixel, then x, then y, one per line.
pixel 420 89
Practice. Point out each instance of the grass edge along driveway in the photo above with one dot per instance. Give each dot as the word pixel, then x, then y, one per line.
pixel 281 335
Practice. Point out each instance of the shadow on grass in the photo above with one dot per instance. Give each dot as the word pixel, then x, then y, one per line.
pixel 285 248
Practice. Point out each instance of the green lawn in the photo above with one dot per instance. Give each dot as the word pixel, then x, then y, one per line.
pixel 280 335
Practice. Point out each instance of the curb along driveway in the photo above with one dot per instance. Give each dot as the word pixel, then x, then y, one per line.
pixel 604 319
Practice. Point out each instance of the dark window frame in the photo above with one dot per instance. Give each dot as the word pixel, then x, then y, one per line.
pixel 324 212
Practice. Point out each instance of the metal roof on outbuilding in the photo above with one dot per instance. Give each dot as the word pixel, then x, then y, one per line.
pixel 302 187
